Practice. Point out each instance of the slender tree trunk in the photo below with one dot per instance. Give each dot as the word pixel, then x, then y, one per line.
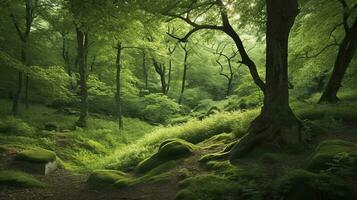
pixel 65 56
pixel 15 103
pixel 277 125
pixel 118 86
pixel 185 65
pixel 160 69
pixel 230 86
pixel 344 57
pixel 82 49
pixel 169 76
pixel 146 74
pixel 24 37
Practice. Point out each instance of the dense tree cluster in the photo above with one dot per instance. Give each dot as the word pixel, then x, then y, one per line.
pixel 160 59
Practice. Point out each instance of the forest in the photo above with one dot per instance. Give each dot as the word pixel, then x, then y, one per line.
pixel 178 99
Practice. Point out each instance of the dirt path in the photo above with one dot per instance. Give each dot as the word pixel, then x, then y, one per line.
pixel 62 185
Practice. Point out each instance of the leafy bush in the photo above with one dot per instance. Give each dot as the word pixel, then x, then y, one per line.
pixel 157 108
pixel 51 84
pixel 15 126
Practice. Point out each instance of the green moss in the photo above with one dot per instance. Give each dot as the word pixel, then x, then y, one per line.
pixel 223 137
pixel 186 194
pixel 213 156
pixel 105 177
pixel 172 149
pixel 301 184
pixel 327 151
pixel 270 158
pixel 36 155
pixel 19 179
pixel 220 165
pixel 206 187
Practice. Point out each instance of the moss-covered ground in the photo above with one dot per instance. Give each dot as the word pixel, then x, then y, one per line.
pixel 176 161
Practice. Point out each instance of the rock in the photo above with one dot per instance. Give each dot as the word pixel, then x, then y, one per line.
pixel 19 179
pixel 171 149
pixel 105 177
pixel 37 160
pixel 301 184
pixel 327 151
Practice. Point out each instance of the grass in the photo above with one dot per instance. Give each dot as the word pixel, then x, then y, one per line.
pixel 79 149
pixel 19 179
pixel 194 131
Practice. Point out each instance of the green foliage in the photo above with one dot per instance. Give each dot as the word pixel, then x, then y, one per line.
pixel 157 108
pixel 19 179
pixel 193 131
pixel 56 82
pixel 15 126
pixel 343 111
pixel 36 155
pixel 331 152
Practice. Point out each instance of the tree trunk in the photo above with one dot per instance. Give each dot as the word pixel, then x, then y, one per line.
pixel 160 69
pixel 344 57
pixel 82 49
pixel 277 125
pixel 65 56
pixel 146 74
pixel 185 65
pixel 229 86
pixel 15 103
pixel 118 86
pixel 169 76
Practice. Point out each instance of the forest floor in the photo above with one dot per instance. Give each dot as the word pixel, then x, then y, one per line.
pixel 82 151
pixel 66 185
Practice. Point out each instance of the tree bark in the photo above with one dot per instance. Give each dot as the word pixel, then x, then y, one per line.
pixel 169 76
pixel 276 125
pixel 185 65
pixel 146 73
pixel 66 59
pixel 24 37
pixel 82 49
pixel 346 51
pixel 118 86
pixel 161 70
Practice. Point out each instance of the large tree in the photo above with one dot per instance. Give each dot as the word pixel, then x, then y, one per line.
pixel 276 124
pixel 346 51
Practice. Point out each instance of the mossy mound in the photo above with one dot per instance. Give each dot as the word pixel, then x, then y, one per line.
pixel 301 184
pixel 206 187
pixel 327 151
pixel 19 179
pixel 36 155
pixel 105 177
pixel 119 179
pixel 271 158
pixel 172 149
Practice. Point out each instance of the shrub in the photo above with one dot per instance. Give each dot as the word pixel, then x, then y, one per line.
pixel 157 108
pixel 15 126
